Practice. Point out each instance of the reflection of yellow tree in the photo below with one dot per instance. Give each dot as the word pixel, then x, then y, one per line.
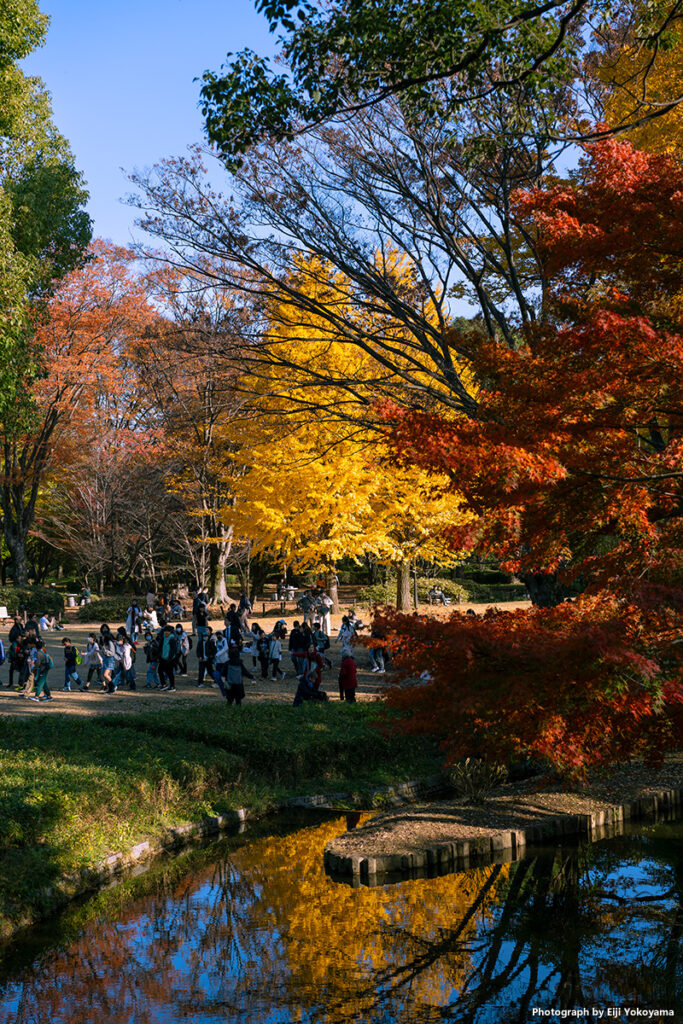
pixel 266 928
pixel 342 944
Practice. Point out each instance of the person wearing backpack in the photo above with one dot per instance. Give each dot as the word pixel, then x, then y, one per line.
pixel 263 651
pixel 234 676
pixel 42 663
pixel 220 667
pixel 92 660
pixel 70 665
pixel 297 648
pixel 168 652
pixel 151 650
pixel 275 654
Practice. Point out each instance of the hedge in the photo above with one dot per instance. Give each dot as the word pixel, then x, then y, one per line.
pixel 33 599
pixel 106 609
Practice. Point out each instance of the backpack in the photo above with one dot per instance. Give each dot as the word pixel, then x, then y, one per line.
pixel 50 662
pixel 234 675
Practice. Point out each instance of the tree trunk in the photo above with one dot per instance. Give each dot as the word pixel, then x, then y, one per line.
pixel 219 590
pixel 403 587
pixel 333 592
pixel 543 589
pixel 15 538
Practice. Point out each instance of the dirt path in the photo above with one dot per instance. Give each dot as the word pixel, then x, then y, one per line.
pixel 95 702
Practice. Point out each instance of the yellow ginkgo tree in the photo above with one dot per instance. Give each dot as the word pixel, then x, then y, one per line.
pixel 319 481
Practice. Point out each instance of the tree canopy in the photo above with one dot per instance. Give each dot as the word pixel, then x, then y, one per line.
pixel 437 57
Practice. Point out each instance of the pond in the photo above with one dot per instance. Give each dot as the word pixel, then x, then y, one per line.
pixel 252 930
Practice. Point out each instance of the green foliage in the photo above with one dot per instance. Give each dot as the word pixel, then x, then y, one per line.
pixel 73 790
pixel 106 609
pixel 486 575
pixel 475 779
pixel 35 599
pixel 458 591
pixel 358 52
pixel 479 593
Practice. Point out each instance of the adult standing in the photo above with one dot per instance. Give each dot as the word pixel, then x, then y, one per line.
pixel 202 618
pixel 206 653
pixel 133 617
pixel 168 652
pixel 233 625
pixel 307 604
pixel 244 610
pixel 324 608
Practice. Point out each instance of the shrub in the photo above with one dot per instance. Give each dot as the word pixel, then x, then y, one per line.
pixel 475 779
pixel 479 593
pixel 35 599
pixel 455 590
pixel 385 593
pixel 106 609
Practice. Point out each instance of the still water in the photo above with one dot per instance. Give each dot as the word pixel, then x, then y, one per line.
pixel 252 930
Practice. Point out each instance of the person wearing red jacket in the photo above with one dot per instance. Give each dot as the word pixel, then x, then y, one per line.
pixel 313 667
pixel 347 676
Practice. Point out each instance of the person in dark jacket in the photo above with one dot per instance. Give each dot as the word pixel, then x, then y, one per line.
pixel 206 653
pixel 234 680
pixel 233 626
pixel 168 653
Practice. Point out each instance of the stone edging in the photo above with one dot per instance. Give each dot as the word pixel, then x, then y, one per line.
pixel 394 796
pixel 460 854
pixel 97 876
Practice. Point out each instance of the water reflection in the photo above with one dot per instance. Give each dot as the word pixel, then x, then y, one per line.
pixel 262 935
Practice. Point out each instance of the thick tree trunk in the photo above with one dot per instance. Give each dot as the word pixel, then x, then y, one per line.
pixel 219 590
pixel 543 589
pixel 333 592
pixel 15 538
pixel 403 587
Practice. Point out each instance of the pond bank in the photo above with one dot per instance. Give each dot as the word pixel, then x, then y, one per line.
pixel 84 800
pixel 447 835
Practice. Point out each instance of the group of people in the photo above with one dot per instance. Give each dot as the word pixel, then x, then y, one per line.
pixel 110 658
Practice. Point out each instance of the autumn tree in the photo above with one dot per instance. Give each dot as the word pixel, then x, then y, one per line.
pixel 78 345
pixel 576 458
pixel 311 477
pixel 193 398
pixel 631 71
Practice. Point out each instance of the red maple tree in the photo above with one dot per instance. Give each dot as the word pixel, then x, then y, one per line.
pixel 574 464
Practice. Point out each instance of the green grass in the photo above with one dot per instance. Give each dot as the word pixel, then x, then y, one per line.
pixel 73 790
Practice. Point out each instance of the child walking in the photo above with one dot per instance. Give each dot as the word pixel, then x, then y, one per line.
pixel 70 665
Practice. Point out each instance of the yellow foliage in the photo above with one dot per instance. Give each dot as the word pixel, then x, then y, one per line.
pixel 319 480
pixel 636 78
pixel 342 941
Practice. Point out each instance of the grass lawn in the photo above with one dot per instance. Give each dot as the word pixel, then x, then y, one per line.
pixel 74 789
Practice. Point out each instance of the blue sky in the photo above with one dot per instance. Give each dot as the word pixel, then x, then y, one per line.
pixel 121 77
